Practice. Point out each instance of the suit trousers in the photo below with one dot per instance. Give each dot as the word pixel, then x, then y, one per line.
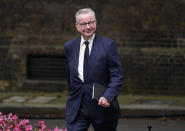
pixel 101 118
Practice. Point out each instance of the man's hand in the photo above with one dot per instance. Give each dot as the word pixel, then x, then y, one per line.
pixel 103 102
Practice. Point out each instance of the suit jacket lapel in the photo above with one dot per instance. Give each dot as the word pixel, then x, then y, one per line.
pixel 93 54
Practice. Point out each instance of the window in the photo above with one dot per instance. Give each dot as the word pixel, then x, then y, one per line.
pixel 46 67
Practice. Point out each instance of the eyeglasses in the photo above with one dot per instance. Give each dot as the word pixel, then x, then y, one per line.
pixel 90 23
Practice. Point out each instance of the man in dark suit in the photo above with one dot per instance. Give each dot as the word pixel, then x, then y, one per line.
pixel 102 65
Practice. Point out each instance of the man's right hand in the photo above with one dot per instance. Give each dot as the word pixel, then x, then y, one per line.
pixel 103 102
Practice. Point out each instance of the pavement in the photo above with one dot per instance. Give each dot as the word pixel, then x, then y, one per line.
pixel 52 106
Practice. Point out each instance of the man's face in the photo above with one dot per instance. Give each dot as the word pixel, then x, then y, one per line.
pixel 86 25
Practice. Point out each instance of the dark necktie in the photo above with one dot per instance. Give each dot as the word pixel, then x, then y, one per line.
pixel 86 58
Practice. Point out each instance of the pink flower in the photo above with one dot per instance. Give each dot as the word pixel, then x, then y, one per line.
pixel 28 127
pixel 24 122
pixel 1 119
pixel 15 117
pixel 10 115
pixel 40 122
pixel 10 122
pixel 56 128
pixel 16 128
pixel 42 125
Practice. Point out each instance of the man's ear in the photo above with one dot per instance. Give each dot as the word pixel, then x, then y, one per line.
pixel 77 27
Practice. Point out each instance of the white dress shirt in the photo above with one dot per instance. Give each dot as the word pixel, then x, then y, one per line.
pixel 81 55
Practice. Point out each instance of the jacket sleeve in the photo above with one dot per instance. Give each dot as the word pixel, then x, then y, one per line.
pixel 115 73
pixel 67 62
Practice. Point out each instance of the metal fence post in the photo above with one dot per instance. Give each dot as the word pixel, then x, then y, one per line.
pixel 149 128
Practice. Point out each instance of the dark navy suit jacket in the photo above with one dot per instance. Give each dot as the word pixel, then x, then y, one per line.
pixel 105 68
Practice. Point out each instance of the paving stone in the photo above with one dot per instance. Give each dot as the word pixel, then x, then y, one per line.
pixel 160 102
pixel 15 99
pixel 42 99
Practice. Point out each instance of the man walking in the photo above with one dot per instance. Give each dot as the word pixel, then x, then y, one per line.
pixel 92 59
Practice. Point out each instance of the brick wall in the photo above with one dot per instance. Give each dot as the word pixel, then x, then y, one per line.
pixel 154 72
pixel 150 37
pixel 154 62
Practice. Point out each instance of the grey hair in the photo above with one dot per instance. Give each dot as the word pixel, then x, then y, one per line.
pixel 84 11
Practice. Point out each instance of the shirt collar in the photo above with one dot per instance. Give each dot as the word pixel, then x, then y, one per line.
pixel 90 40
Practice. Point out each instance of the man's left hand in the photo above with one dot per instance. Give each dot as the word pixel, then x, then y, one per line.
pixel 103 102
